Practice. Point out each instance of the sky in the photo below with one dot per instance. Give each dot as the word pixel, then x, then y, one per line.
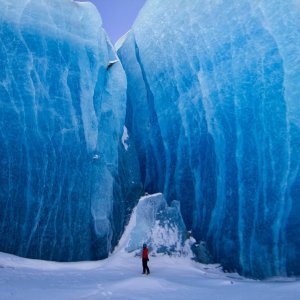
pixel 118 15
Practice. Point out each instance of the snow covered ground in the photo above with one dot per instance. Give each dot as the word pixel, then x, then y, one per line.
pixel 119 277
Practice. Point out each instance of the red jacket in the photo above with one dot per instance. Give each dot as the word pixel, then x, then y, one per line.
pixel 145 253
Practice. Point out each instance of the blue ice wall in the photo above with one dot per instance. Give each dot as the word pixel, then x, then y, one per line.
pixel 213 105
pixel 62 111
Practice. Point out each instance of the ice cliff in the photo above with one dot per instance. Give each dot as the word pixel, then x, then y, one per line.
pixel 208 114
pixel 62 110
pixel 214 108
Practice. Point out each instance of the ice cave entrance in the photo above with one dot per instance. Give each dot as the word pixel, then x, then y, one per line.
pixel 117 15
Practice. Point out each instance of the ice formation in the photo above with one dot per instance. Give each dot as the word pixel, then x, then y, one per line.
pixel 212 120
pixel 213 106
pixel 159 226
pixel 62 114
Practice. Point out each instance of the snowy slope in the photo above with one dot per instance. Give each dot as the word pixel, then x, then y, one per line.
pixel 119 277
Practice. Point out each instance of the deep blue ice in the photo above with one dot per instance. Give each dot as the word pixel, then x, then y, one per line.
pixel 213 104
pixel 62 112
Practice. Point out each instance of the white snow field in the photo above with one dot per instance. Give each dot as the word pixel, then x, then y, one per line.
pixel 119 277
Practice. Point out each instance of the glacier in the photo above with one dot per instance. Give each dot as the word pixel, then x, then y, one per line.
pixel 199 102
pixel 62 114
pixel 213 107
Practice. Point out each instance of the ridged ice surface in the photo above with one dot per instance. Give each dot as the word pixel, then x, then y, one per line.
pixel 62 113
pixel 214 107
pixel 158 225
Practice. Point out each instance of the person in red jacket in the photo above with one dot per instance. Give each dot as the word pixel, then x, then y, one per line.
pixel 145 260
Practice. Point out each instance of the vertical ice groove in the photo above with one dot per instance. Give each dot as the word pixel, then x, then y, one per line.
pixel 285 205
pixel 42 179
pixel 89 118
pixel 7 209
pixel 261 171
pixel 214 128
pixel 152 110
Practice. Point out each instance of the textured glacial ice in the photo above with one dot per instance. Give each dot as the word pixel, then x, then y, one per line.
pixel 158 225
pixel 62 112
pixel 214 109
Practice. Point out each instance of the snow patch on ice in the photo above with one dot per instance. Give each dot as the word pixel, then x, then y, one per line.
pixel 125 137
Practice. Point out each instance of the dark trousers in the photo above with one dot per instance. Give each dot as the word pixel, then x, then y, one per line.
pixel 145 266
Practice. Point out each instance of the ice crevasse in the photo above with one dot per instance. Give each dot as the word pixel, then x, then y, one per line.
pixel 62 110
pixel 213 104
